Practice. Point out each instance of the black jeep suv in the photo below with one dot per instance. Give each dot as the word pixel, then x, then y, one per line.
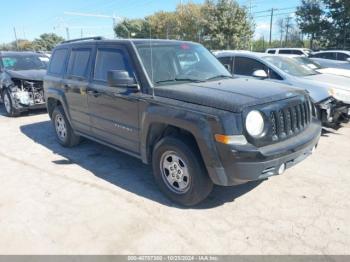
pixel 173 104
pixel 21 81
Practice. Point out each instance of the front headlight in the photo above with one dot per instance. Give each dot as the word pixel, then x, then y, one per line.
pixel 341 95
pixel 254 123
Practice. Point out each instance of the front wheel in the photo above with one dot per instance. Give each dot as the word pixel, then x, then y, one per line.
pixel 179 171
pixel 9 108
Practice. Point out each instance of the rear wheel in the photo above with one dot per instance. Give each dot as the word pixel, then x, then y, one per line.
pixel 64 132
pixel 10 110
pixel 179 171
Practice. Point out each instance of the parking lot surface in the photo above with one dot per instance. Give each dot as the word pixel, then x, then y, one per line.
pixel 94 200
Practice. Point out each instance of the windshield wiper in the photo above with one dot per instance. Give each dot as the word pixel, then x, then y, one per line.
pixel 180 80
pixel 218 77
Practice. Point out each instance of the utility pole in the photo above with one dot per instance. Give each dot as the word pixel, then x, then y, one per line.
pixel 271 21
pixel 14 30
pixel 67 33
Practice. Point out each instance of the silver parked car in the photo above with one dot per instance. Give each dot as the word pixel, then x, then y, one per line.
pixel 333 59
pixel 330 93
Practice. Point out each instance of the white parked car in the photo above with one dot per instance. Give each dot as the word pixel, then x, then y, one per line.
pixel 289 51
pixel 330 93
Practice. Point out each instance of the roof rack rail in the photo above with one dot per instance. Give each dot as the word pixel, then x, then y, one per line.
pixel 83 39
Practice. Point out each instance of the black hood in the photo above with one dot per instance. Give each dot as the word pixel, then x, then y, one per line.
pixel 230 94
pixel 34 75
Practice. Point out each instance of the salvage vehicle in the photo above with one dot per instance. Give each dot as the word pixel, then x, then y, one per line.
pixel 329 93
pixel 21 81
pixel 332 58
pixel 191 120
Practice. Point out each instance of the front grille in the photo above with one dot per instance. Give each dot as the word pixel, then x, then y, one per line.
pixel 290 120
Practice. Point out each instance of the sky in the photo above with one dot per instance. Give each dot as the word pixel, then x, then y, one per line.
pixel 34 17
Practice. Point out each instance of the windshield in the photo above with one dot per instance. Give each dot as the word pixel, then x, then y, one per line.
pixel 290 66
pixel 308 62
pixel 25 62
pixel 180 62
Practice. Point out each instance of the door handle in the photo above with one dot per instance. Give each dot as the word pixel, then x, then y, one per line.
pixel 93 93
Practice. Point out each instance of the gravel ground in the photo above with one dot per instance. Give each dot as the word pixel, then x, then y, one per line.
pixel 93 200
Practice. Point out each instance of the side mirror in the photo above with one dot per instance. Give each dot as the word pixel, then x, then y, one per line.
pixel 348 59
pixel 260 74
pixel 120 78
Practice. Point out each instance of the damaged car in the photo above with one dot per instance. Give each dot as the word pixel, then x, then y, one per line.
pixel 21 81
pixel 329 93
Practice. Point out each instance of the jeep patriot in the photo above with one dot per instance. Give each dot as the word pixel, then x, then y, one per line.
pixel 172 104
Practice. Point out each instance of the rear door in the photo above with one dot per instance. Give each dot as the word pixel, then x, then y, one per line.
pixel 75 85
pixel 113 110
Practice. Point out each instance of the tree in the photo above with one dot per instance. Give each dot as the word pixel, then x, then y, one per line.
pixel 281 29
pixel 226 25
pixel 310 18
pixel 337 31
pixel 132 28
pixel 46 42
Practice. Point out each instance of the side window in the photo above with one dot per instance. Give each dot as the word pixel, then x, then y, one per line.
pixel 342 56
pixel 297 52
pixel 79 62
pixel 247 66
pixel 271 52
pixel 331 56
pixel 227 62
pixel 58 61
pixel 285 52
pixel 110 59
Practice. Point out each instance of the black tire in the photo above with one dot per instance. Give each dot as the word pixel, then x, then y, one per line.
pixel 199 185
pixel 70 139
pixel 9 109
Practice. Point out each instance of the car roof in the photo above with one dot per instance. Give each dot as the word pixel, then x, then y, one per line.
pixel 240 52
pixel 288 48
pixel 19 53
pixel 121 41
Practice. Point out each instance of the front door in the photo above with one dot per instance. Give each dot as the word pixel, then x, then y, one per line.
pixel 113 111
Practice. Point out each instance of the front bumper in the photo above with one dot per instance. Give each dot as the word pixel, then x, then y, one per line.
pixel 333 111
pixel 247 163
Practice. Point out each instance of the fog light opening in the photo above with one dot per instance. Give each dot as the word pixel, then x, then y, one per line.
pixel 282 169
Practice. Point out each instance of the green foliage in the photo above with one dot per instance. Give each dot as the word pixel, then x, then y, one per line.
pixel 218 24
pixel 46 42
pixel 226 25
pixel 310 18
pixel 327 22
pixel 337 32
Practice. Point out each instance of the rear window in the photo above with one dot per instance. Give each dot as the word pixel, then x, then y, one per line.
pixel 58 61
pixel 271 52
pixel 79 62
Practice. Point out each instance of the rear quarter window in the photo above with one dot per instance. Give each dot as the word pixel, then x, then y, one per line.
pixel 58 62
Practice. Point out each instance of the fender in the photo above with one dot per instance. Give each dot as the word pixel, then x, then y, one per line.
pixel 59 96
pixel 199 125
